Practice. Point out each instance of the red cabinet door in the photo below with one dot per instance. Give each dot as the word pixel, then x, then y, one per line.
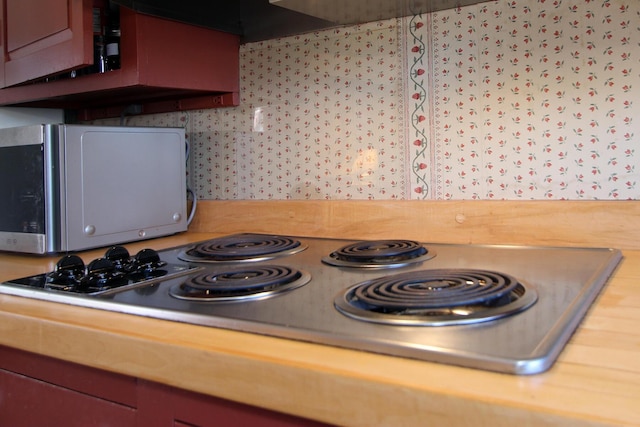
pixel 30 402
pixel 44 37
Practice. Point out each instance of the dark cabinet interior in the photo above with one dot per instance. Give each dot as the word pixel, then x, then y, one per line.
pixel 255 20
pixel 251 20
pixel 360 11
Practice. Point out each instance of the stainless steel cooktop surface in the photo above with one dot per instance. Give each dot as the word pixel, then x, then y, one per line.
pixel 503 308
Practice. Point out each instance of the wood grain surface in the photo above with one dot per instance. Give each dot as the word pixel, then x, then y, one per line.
pixel 595 382
pixel 549 223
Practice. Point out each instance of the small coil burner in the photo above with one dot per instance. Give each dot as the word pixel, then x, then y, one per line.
pixel 436 297
pixel 242 248
pixel 240 284
pixel 379 254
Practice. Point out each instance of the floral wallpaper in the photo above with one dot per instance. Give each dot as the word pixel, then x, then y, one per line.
pixel 508 99
pixel 531 99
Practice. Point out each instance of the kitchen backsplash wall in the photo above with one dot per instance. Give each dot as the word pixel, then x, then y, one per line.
pixel 533 99
pixel 511 99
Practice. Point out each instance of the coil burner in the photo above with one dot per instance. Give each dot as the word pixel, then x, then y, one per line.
pixel 436 297
pixel 240 284
pixel 379 254
pixel 242 248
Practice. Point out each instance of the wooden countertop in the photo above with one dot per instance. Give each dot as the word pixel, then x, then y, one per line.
pixel 596 380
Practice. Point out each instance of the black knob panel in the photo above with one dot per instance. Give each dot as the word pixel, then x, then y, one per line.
pixel 117 268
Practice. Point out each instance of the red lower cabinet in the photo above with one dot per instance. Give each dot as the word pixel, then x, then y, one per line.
pixel 41 391
pixel 26 401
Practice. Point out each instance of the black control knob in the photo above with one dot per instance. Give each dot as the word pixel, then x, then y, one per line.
pixel 120 257
pixel 147 262
pixel 147 257
pixel 100 266
pixel 101 275
pixel 67 274
pixel 70 264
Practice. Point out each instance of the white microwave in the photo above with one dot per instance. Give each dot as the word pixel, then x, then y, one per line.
pixel 73 187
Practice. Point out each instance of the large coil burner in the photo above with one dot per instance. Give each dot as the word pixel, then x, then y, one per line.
pixel 242 248
pixel 436 298
pixel 379 254
pixel 240 284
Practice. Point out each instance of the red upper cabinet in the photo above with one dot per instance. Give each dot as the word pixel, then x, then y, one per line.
pixel 45 37
pixel 165 65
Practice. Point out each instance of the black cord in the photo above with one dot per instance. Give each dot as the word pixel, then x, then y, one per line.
pixel 130 110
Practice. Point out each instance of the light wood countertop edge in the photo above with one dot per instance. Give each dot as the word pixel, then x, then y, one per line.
pixel 313 381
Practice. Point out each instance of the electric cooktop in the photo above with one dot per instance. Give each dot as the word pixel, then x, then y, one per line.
pixel 503 308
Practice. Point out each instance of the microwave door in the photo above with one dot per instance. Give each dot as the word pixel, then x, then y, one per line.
pixel 28 189
pixel 22 217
